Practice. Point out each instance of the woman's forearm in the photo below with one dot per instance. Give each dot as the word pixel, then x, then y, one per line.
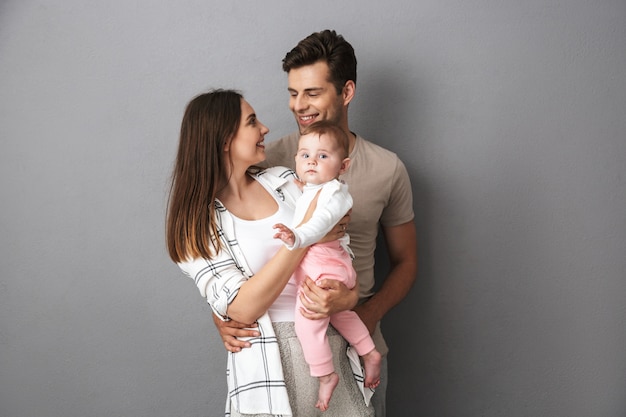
pixel 259 292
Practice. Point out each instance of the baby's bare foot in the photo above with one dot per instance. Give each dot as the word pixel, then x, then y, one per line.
pixel 327 386
pixel 371 363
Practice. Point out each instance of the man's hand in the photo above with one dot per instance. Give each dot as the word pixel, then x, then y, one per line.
pixel 326 298
pixel 231 330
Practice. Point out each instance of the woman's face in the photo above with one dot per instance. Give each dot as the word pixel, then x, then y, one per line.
pixel 247 147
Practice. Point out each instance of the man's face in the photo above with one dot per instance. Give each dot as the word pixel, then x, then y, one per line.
pixel 313 97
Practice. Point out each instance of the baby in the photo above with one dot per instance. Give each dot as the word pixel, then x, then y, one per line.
pixel 322 156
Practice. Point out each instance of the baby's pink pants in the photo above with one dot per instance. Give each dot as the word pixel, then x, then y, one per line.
pixel 328 261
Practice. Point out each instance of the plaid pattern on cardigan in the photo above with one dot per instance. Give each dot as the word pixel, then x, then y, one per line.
pixel 255 377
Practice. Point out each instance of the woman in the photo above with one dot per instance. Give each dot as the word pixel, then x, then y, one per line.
pixel 220 232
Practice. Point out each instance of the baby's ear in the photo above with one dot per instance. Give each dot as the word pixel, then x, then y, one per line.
pixel 345 164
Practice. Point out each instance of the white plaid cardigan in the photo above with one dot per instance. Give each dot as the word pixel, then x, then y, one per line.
pixel 254 375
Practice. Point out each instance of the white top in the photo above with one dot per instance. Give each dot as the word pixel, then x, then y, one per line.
pixel 256 240
pixel 333 203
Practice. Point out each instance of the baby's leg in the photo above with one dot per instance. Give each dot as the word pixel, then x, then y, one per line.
pixel 371 362
pixel 314 342
pixel 328 383
pixel 317 353
pixel 350 326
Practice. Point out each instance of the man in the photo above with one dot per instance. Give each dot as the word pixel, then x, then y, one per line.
pixel 322 82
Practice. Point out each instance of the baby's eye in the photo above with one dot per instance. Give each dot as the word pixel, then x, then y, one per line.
pixel 323 156
pixel 304 155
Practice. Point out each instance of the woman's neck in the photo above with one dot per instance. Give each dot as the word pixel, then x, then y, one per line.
pixel 237 185
pixel 246 198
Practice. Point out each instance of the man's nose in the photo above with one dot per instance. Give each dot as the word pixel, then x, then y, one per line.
pixel 300 103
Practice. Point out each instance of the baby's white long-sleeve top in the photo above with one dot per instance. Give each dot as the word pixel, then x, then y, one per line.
pixel 333 203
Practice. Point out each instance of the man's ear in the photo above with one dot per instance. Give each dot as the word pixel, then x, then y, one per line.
pixel 349 89
pixel 345 164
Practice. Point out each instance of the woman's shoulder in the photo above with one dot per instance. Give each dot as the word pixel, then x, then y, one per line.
pixel 278 172
pixel 275 175
pixel 279 179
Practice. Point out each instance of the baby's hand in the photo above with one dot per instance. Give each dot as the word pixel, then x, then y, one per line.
pixel 285 234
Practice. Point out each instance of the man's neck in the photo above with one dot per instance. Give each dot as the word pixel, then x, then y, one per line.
pixel 352 139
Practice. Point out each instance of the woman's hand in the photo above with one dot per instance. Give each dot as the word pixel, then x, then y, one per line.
pixel 339 230
pixel 231 330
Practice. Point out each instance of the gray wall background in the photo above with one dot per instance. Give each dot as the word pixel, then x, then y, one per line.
pixel 509 115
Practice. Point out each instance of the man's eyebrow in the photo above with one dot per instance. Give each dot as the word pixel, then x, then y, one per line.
pixel 306 89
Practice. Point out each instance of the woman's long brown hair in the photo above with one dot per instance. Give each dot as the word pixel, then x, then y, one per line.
pixel 210 119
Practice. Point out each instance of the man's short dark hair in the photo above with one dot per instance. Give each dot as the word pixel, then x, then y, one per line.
pixel 329 47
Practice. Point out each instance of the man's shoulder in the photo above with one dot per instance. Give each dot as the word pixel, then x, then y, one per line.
pixel 282 151
pixel 284 141
pixel 371 151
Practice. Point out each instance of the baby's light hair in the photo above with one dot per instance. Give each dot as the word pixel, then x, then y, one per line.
pixel 326 127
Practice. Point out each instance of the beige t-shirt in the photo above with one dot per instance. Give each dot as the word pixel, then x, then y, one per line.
pixel 381 190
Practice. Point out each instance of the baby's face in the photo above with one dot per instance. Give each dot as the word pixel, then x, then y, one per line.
pixel 319 158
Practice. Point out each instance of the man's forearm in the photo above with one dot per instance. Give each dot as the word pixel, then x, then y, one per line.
pixel 394 289
pixel 402 250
